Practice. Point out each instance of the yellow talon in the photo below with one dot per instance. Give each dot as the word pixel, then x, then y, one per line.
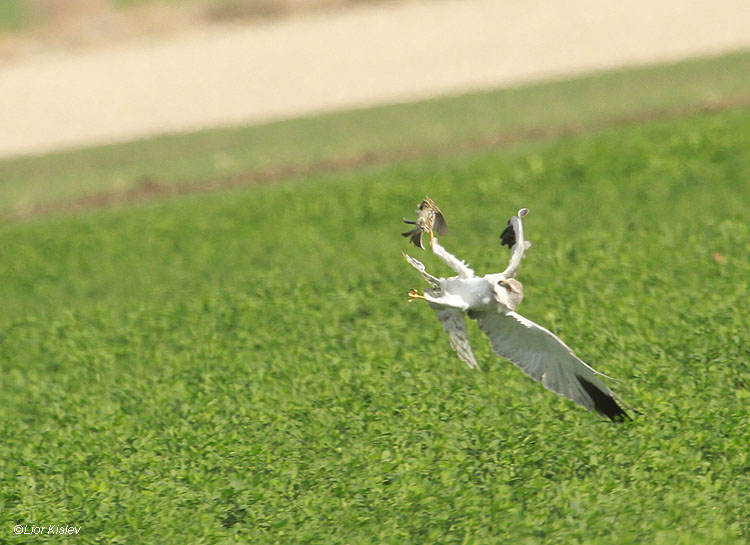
pixel 432 239
pixel 414 294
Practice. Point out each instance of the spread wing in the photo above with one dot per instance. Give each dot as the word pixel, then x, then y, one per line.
pixel 431 280
pixel 544 357
pixel 439 225
pixel 454 325
pixel 512 236
pixel 461 268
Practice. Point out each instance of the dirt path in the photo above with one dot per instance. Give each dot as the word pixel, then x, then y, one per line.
pixel 151 190
pixel 225 75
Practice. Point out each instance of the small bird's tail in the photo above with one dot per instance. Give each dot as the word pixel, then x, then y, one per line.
pixel 415 236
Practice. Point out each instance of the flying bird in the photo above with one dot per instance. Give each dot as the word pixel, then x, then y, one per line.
pixel 429 219
pixel 492 300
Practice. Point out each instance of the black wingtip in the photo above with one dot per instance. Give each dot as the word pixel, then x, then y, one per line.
pixel 508 237
pixel 604 403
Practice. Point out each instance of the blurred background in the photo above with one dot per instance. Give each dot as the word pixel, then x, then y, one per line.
pixel 86 72
pixel 66 22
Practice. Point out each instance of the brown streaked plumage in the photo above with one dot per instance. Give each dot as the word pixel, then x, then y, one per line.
pixel 429 219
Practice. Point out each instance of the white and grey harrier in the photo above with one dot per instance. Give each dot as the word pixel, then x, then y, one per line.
pixel 491 300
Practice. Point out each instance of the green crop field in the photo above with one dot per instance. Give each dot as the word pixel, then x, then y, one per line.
pixel 243 367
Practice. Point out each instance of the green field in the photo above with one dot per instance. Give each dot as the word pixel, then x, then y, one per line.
pixel 242 366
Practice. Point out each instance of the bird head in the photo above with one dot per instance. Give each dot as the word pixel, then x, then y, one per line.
pixel 509 292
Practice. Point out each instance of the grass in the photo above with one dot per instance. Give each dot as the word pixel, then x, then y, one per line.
pixel 13 15
pixel 432 127
pixel 243 367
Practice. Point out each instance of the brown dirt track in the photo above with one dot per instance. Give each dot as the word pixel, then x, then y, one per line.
pixel 151 190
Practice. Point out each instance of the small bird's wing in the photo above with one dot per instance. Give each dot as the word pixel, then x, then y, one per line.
pixel 431 280
pixel 454 325
pixel 461 268
pixel 439 225
pixel 513 237
pixel 544 357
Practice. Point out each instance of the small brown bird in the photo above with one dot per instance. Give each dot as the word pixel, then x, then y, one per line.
pixel 429 219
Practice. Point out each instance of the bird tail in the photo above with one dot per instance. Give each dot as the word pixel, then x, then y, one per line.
pixel 415 236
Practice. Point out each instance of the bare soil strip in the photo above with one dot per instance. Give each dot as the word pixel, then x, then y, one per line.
pixel 152 190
